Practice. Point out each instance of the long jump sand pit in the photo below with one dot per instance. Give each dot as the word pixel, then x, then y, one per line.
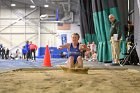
pixel 57 81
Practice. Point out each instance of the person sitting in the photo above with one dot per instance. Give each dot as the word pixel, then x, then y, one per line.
pixel 63 54
pixel 18 54
pixel 88 53
pixel 13 56
pixel 74 51
pixel 94 56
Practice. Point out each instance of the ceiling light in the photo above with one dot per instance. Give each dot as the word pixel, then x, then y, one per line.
pixel 32 6
pixel 13 4
pixel 46 5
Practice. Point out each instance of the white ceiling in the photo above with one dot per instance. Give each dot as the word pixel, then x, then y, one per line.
pixel 73 4
pixel 64 6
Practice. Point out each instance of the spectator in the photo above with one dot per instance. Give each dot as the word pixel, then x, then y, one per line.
pixel 28 50
pixel 24 52
pixel 7 54
pixel 115 38
pixel 63 54
pixel 18 54
pixel 33 49
pixel 0 51
pixel 3 53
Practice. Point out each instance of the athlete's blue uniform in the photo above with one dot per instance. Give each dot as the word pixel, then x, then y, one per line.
pixel 75 52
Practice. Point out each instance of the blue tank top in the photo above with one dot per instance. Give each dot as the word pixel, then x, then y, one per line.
pixel 75 52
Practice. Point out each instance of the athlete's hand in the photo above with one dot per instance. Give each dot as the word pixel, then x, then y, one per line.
pixel 59 48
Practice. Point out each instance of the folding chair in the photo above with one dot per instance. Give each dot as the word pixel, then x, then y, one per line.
pixel 128 55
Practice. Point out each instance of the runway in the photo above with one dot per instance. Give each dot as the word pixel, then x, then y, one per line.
pixel 9 65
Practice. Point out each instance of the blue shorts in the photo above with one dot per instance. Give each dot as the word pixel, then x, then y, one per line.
pixel 75 61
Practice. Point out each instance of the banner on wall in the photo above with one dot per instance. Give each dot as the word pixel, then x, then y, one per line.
pixel 63 26
pixel 64 39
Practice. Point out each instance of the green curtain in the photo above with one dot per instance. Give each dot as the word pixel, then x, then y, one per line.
pixel 101 11
pixel 86 21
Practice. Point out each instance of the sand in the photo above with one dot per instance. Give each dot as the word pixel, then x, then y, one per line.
pixel 56 81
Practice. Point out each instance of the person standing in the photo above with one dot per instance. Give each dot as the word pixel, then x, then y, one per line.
pixel 28 50
pixel 0 51
pixel 3 53
pixel 7 53
pixel 115 37
pixel 24 52
pixel 33 49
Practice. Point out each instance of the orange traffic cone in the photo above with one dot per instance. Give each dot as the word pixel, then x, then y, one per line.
pixel 47 61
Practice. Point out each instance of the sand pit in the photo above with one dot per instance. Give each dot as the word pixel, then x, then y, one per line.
pixel 56 81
